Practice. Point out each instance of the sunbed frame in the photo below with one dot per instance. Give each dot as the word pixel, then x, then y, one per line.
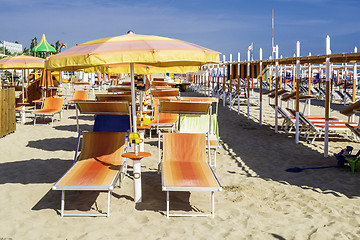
pixel 90 172
pixel 50 108
pixel 95 147
pixel 184 168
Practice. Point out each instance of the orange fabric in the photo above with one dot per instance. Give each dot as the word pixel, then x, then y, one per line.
pixel 159 83
pixel 199 99
pixel 80 95
pixel 167 92
pixel 184 161
pixel 113 97
pixel 91 107
pixel 175 106
pixel 99 161
pixel 163 117
pixel 51 105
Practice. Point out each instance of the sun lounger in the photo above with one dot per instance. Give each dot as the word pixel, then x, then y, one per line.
pixel 316 126
pixel 162 120
pixel 184 168
pixel 50 108
pixel 97 168
pixel 101 108
pixel 79 95
pixel 288 122
pixel 113 97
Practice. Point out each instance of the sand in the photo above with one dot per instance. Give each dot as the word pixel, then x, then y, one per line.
pixel 260 200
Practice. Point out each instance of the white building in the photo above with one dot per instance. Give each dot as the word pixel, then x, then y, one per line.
pixel 12 47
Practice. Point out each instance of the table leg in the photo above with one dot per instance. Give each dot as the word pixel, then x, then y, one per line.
pixel 137 181
pixel 22 114
pixel 142 144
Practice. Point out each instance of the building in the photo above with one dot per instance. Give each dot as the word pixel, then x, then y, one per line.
pixel 10 46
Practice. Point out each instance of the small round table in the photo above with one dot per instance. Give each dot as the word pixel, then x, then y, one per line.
pixel 23 104
pixel 136 157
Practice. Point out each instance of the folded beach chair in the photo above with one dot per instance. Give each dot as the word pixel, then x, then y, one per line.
pixel 184 167
pixel 288 122
pixel 79 95
pixel 316 126
pixel 97 168
pixel 50 107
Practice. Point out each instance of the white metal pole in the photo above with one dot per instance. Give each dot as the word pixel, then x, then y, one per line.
pixel 137 181
pixel 133 100
pixel 310 76
pixel 260 113
pixel 327 76
pixel 208 78
pixel 224 80
pixel 276 87
pixel 230 85
pixel 297 92
pixel 238 102
pixel 248 86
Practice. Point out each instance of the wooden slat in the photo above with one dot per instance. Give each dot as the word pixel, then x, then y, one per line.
pixel 7 111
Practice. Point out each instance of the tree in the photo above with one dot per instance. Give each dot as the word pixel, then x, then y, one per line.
pixel 57 46
pixel 33 44
pixel 26 51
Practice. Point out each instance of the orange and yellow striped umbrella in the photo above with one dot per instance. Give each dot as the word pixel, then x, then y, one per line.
pixel 132 48
pixel 22 62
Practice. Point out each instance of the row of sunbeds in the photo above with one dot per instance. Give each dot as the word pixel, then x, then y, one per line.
pixel 184 165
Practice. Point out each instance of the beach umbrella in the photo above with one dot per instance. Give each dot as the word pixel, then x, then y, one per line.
pixel 43 46
pixel 155 51
pixel 22 62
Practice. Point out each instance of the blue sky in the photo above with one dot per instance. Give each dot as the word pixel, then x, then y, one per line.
pixel 228 26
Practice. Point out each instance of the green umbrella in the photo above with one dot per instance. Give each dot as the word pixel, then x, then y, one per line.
pixel 43 46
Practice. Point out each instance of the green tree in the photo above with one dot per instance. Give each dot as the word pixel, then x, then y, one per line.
pixel 33 44
pixel 57 46
pixel 26 51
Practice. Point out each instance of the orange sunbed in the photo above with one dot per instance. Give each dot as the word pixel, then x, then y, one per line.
pixel 162 120
pixel 113 97
pixel 97 169
pixel 50 108
pixel 79 95
pixel 184 167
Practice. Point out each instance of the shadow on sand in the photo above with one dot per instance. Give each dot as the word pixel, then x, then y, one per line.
pixel 238 133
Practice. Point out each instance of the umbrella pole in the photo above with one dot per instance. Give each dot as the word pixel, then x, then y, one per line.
pixel 133 99
pixel 22 86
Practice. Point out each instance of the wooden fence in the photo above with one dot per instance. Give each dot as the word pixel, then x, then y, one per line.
pixel 7 111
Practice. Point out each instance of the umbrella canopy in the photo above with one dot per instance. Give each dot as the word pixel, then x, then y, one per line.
pixel 139 69
pixel 132 48
pixel 22 62
pixel 43 46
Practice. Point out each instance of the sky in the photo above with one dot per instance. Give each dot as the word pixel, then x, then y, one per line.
pixel 227 26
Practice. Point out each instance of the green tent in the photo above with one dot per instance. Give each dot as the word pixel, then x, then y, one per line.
pixel 43 46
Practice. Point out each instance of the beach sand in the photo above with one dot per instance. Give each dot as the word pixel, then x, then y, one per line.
pixel 260 200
